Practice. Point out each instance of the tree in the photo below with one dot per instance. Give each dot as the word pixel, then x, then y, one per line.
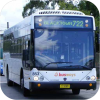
pixel 88 6
pixel 67 6
pixel 34 5
pixel 53 3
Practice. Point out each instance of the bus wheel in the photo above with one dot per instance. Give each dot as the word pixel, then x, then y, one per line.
pixel 25 91
pixel 9 82
pixel 76 91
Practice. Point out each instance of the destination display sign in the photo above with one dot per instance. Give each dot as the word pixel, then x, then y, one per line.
pixel 62 22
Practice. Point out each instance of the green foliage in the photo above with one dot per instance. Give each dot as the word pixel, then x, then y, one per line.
pixel 37 4
pixel 89 6
pixel 86 12
pixel 26 7
pixel 62 5
pixel 97 21
pixel 67 6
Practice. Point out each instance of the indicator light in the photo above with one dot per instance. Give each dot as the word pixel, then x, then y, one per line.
pixel 86 25
pixel 40 20
pixel 38 85
pixel 86 21
pixel 90 84
pixel 40 24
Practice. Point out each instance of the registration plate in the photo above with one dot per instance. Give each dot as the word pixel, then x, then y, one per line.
pixel 64 85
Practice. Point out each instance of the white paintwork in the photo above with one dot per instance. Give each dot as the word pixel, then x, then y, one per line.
pixel 71 75
pixel 26 78
pixel 60 12
pixel 15 65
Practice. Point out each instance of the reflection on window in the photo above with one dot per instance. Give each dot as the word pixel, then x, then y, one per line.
pixel 64 46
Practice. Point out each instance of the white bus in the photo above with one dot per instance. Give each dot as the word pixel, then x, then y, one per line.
pixel 51 49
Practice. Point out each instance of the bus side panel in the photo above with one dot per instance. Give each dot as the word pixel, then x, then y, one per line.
pixel 4 67
pixel 6 57
pixel 16 67
pixel 26 78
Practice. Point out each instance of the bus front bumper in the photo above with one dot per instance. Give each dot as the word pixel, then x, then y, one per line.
pixel 56 85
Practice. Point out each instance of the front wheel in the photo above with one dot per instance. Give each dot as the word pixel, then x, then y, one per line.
pixel 76 91
pixel 25 91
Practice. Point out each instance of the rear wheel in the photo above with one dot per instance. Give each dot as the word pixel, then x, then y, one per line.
pixel 76 91
pixel 9 82
pixel 25 91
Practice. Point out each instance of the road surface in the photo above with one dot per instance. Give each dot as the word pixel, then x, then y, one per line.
pixel 15 92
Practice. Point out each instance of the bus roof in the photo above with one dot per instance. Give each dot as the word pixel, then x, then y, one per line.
pixel 60 12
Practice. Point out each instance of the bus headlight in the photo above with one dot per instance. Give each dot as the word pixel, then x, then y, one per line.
pixel 35 78
pixel 93 78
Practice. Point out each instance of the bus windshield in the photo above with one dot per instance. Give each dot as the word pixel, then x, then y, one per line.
pixel 63 49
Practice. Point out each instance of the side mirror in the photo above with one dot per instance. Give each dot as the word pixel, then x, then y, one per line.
pixel 25 55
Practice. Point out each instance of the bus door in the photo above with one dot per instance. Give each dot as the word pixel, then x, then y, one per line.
pixel 25 57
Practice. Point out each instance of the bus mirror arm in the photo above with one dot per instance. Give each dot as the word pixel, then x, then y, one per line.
pixel 25 55
pixel 28 63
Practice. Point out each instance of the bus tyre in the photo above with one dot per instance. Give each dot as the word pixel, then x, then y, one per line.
pixel 76 91
pixel 25 91
pixel 9 82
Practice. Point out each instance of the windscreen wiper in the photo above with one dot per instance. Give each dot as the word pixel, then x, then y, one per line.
pixel 56 63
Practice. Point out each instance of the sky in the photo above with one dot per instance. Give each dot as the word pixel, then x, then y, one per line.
pixel 11 12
